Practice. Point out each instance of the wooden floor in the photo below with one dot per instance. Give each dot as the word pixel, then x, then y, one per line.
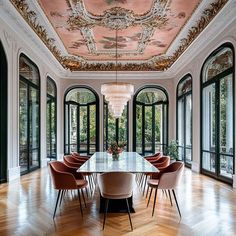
pixel 208 208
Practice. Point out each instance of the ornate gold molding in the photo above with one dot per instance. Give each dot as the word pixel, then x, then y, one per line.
pixel 156 64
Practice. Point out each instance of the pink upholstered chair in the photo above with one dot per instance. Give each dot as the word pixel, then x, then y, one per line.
pixel 168 180
pixel 116 185
pixel 64 179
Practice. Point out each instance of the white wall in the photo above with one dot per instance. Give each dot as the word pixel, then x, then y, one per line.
pixel 14 46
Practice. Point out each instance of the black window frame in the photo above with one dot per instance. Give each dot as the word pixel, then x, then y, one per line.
pixel 105 125
pixel 52 99
pixel 164 121
pixel 216 80
pixel 96 103
pixel 38 87
pixel 3 114
pixel 179 97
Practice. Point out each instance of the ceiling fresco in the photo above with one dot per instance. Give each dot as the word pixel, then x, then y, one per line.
pixel 145 31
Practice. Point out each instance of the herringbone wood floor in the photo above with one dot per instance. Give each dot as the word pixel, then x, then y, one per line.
pixel 208 208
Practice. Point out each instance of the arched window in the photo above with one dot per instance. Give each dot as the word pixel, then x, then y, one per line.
pixel 3 115
pixel 29 115
pixel 51 119
pixel 150 120
pixel 81 121
pixel 115 129
pixel 184 119
pixel 217 114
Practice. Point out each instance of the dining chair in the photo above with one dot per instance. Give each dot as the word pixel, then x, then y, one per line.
pixel 168 180
pixel 63 179
pixel 71 162
pixel 161 163
pixel 116 185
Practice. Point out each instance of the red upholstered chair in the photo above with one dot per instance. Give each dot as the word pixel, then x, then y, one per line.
pixel 72 162
pixel 79 157
pixel 168 180
pixel 64 179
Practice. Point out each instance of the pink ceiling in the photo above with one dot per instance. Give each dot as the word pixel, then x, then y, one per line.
pixel 177 14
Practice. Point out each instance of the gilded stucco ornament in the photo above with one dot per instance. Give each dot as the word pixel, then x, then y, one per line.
pixel 148 20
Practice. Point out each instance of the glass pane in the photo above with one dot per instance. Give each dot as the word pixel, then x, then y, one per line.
pixel 48 127
pixel 218 63
pixel 111 129
pixel 23 111
pixel 123 124
pixel 83 128
pixel 185 86
pixel 226 115
pixel 53 129
pixel 158 128
pixel 181 122
pixel 139 133
pixel 51 87
pixel 188 155
pixel 82 96
pixel 92 129
pixel 181 153
pixel 209 116
pixel 148 128
pixel 208 161
pixel 188 120
pixel 151 95
pixel 28 70
pixel 33 127
pixel 66 129
pixel 164 129
pixel 226 166
pixel 73 128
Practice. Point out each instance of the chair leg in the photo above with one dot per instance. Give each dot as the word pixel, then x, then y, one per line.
pixel 170 197
pixel 147 191
pixel 145 183
pixel 86 192
pixel 105 213
pixel 81 210
pixel 62 194
pixel 58 196
pixel 176 202
pixel 154 202
pixel 83 197
pixel 149 197
pixel 127 203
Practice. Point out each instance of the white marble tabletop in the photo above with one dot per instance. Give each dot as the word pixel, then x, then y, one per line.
pixel 127 162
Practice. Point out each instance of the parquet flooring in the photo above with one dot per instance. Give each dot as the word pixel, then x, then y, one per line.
pixel 208 208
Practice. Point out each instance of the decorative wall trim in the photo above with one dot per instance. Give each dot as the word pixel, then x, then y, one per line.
pixel 13 173
pixel 157 63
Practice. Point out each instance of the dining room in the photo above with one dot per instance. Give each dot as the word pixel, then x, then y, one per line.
pixel 117 117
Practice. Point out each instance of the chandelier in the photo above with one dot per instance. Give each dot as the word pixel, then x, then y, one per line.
pixel 117 94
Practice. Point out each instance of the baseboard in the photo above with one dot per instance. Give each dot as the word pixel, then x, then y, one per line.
pixel 13 173
pixel 44 162
pixel 234 181
pixel 195 167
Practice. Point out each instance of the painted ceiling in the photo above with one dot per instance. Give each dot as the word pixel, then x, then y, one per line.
pixel 138 32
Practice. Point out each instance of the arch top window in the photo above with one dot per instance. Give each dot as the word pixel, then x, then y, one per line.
pixel 218 63
pixel 51 87
pixel 150 120
pixel 81 121
pixel 81 96
pixel 151 96
pixel 28 70
pixel 185 85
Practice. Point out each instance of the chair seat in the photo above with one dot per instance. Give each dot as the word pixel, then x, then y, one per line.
pixel 153 183
pixel 81 183
pixel 121 196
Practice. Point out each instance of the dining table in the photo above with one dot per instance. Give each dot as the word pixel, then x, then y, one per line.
pixel 103 162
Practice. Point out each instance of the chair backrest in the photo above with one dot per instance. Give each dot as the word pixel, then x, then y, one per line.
pixel 70 162
pixel 116 185
pixel 172 175
pixel 61 178
pixel 162 162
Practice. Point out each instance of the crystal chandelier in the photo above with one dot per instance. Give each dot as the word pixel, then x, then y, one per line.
pixel 117 94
